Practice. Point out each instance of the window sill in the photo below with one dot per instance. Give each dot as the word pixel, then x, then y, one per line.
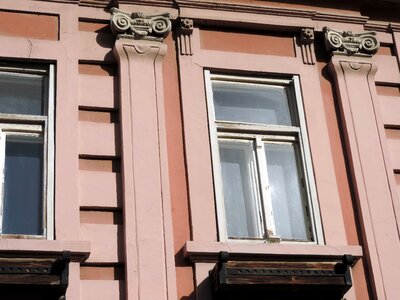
pixel 80 250
pixel 209 251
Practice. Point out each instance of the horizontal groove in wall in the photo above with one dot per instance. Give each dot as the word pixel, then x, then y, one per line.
pixel 91 26
pixel 102 272
pixel 91 216
pixel 387 90
pixel 92 68
pixel 386 49
pixel 100 164
pixel 98 116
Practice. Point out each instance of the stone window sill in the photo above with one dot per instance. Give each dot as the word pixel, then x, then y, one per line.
pixel 209 251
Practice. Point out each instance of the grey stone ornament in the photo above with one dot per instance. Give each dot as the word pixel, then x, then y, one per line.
pixel 140 26
pixel 347 42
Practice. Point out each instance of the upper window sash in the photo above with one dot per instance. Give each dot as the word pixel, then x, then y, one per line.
pixel 268 102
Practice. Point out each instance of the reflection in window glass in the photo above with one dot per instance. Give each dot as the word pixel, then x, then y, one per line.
pixel 237 163
pixel 251 103
pixel 285 189
pixel 22 93
pixel 22 211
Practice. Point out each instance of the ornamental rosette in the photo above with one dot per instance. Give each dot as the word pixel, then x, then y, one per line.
pixel 140 26
pixel 347 42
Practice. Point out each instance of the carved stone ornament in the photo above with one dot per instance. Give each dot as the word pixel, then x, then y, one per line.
pixel 186 26
pixel 347 42
pixel 185 36
pixel 307 36
pixel 307 46
pixel 140 26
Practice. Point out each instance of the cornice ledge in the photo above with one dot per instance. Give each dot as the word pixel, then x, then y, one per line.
pixel 349 43
pixel 94 3
pixel 65 1
pixel 394 26
pixel 377 26
pixel 270 10
pixel 158 3
pixel 340 18
pixel 139 26
pixel 246 8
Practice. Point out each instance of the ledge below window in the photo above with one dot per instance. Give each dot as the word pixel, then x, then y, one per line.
pixel 209 251
pixel 33 268
pixel 281 271
pixel 80 250
pixel 297 278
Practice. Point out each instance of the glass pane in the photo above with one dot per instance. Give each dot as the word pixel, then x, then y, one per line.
pixel 251 103
pixel 22 211
pixel 285 189
pixel 22 93
pixel 237 165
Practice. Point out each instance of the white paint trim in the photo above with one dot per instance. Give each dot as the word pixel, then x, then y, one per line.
pixel 218 184
pixel 309 173
pixel 50 154
pixel 2 162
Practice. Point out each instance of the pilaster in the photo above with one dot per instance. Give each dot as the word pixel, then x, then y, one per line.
pixel 149 258
pixel 353 69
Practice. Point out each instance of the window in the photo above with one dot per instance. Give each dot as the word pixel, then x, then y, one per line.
pixel 262 168
pixel 26 150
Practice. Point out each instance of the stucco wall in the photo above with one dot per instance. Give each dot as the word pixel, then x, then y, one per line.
pixel 257 37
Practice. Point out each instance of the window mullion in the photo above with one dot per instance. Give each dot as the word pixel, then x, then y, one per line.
pixel 265 193
pixel 257 188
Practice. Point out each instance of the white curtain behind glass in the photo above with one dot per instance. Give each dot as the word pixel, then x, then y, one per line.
pixel 237 165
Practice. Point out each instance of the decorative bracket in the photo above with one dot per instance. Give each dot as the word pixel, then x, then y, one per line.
pixel 185 36
pixel 35 275
pixel 349 43
pixel 307 46
pixel 296 278
pixel 140 26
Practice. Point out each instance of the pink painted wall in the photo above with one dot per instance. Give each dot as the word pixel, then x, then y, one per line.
pixel 89 205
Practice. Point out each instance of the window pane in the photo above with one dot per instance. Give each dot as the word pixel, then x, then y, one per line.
pixel 240 193
pixel 22 93
pixel 251 103
pixel 22 211
pixel 286 194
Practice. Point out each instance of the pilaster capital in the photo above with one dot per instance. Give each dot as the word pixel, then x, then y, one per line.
pixel 348 43
pixel 147 51
pixel 138 26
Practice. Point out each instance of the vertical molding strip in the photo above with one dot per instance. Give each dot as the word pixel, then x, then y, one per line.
pixel 354 77
pixel 149 256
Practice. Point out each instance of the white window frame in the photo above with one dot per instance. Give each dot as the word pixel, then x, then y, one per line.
pixel 260 133
pixel 36 126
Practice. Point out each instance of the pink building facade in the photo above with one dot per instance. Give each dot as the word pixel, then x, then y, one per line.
pixel 200 149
